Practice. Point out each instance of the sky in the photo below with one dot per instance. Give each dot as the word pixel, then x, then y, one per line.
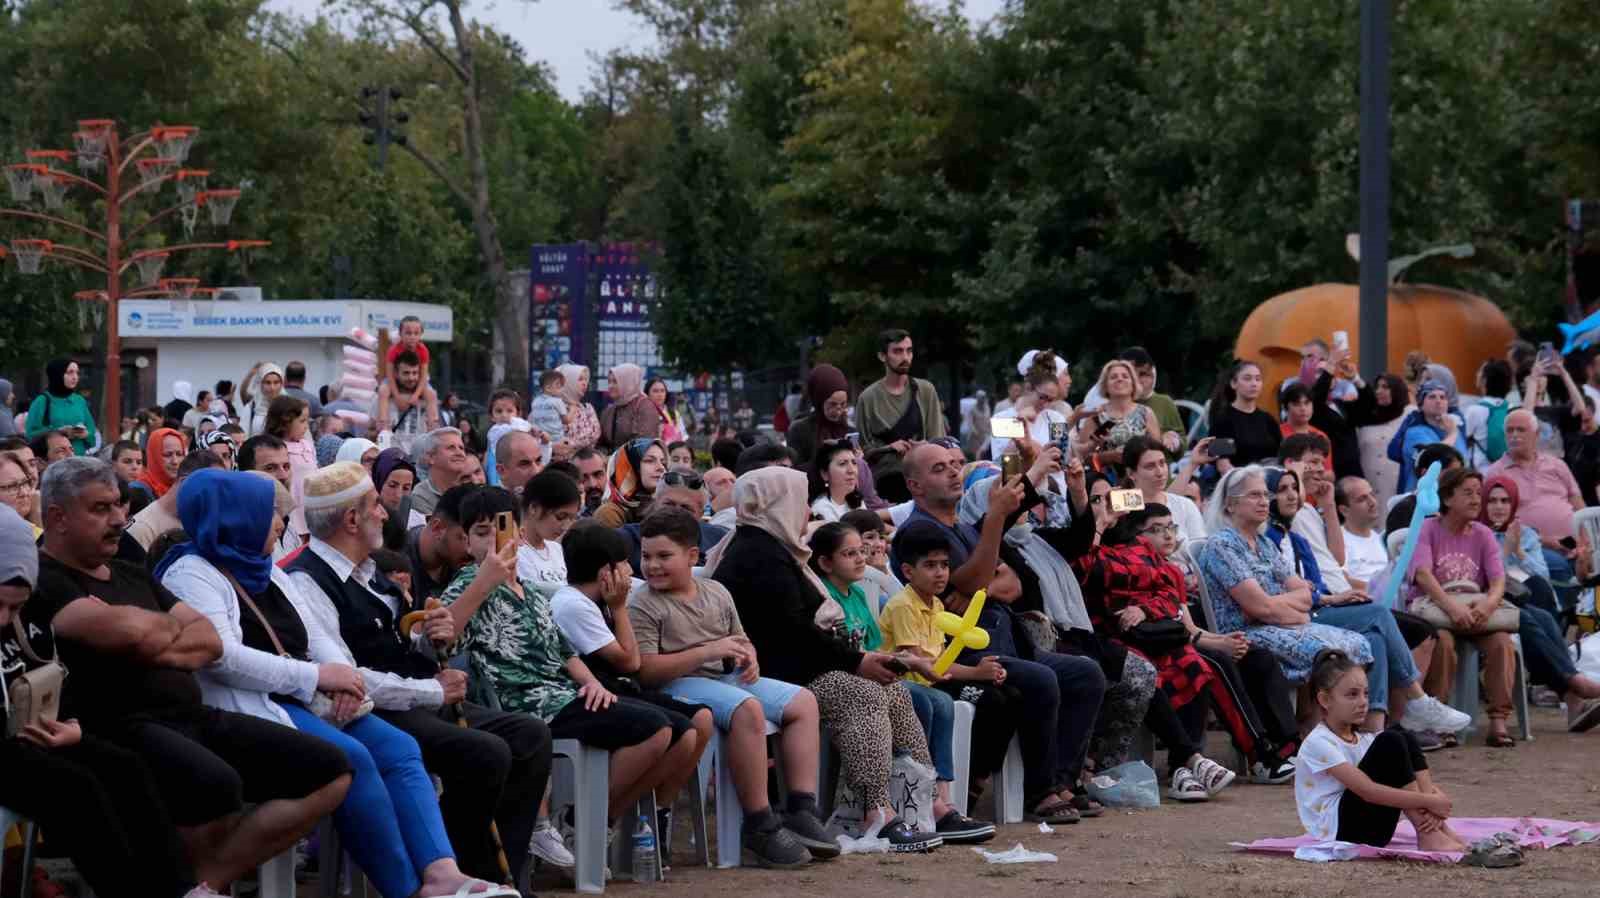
pixel 565 33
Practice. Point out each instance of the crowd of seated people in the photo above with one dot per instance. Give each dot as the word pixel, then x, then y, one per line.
pixel 259 630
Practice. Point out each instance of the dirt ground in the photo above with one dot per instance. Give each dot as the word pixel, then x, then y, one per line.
pixel 1177 850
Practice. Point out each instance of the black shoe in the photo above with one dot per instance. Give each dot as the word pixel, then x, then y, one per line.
pixel 776 848
pixel 902 838
pixel 810 832
pixel 956 828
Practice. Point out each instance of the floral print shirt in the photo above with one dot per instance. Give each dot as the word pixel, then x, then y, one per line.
pixel 515 646
pixel 1228 561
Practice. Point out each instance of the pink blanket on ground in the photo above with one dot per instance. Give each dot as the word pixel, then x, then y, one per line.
pixel 1531 832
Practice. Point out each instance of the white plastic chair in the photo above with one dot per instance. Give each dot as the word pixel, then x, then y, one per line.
pixel 581 778
pixel 276 877
pixel 1396 541
pixel 961 752
pixel 8 819
pixel 1009 799
pixel 1464 695
pixel 730 815
pixel 1194 547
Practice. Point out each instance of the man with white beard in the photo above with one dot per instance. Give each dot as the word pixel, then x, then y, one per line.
pixel 494 771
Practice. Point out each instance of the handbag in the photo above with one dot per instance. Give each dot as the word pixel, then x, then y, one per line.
pixel 1505 619
pixel 1158 637
pixel 34 697
pixel 321 703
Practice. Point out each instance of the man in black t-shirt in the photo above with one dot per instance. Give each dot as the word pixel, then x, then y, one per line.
pixel 132 648
pixel 438 549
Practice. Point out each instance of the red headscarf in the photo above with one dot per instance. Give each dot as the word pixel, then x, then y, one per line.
pixel 155 474
pixel 1510 486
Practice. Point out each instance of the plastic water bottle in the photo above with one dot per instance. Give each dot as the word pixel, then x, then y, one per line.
pixel 645 867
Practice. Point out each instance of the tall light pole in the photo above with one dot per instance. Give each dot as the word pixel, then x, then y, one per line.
pixel 1375 26
pixel 155 157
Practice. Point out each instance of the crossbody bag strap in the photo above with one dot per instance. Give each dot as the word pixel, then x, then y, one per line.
pixel 251 604
pixel 22 640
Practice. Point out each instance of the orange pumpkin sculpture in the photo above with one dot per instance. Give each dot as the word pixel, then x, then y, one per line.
pixel 1456 329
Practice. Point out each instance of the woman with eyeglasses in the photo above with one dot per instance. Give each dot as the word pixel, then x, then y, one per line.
pixel 829 392
pixel 1135 600
pixel 631 478
pixel 1253 587
pixel 1393 677
pixel 18 490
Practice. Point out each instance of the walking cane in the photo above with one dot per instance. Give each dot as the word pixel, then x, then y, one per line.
pixel 407 623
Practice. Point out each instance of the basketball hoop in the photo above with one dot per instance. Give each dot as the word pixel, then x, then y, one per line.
pixel 150 265
pixel 183 287
pixel 221 203
pixel 91 146
pixel 173 142
pixel 20 177
pixel 205 293
pixel 52 186
pixel 153 170
pixel 30 254
pixel 191 181
pixel 190 213
pixel 45 157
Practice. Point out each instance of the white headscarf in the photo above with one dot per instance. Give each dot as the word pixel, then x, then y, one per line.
pixel 353 448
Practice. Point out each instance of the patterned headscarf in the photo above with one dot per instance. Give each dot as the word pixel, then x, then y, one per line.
pixel 328 449
pixel 622 473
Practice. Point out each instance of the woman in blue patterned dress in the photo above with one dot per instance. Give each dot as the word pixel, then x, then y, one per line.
pixel 1254 590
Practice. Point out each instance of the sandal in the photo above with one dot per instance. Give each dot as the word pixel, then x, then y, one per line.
pixel 1086 806
pixel 1494 853
pixel 1056 811
pixel 1500 740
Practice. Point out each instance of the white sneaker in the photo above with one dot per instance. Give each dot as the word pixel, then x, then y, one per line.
pixel 202 891
pixel 1431 715
pixel 1280 772
pixel 546 845
pixel 1213 776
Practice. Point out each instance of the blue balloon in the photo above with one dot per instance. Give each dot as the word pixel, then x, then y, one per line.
pixel 1427 506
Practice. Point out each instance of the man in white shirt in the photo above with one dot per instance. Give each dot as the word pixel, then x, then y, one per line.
pixel 1365 554
pixel 1146 461
pixel 494 769
pixel 1317 521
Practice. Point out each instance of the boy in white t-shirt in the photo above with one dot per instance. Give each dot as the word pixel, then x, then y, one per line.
pixel 1353 786
pixel 550 506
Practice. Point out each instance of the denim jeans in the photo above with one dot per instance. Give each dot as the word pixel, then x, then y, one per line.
pixel 937 711
pixel 390 821
pixel 1543 648
pixel 1392 664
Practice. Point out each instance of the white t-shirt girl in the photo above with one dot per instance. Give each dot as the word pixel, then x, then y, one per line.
pixel 1316 792
pixel 542 566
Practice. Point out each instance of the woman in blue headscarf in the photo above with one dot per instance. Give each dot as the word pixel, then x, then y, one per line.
pixel 277 661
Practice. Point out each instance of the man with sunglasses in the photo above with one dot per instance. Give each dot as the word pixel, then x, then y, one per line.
pixel 679 488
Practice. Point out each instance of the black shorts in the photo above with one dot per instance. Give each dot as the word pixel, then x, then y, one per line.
pixel 629 721
pixel 208 763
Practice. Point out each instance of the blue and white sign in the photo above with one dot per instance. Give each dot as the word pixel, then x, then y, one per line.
pixel 275 319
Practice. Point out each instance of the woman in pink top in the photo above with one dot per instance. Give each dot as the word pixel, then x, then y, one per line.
pixel 289 419
pixel 1457 568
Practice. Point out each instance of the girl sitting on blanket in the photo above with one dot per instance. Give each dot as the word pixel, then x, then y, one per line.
pixel 1352 785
